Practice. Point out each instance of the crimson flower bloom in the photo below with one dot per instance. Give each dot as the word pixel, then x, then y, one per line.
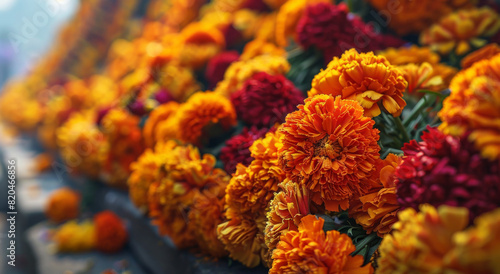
pixel 237 148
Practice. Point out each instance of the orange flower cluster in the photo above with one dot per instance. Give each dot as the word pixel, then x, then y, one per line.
pixel 331 148
pixel 369 79
pixel 62 205
pixel 409 16
pixel 377 210
pixel 474 105
pixel 311 250
pixel 247 196
pixel 187 197
pixel 458 31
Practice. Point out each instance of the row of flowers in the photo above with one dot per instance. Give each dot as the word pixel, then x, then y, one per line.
pixel 320 143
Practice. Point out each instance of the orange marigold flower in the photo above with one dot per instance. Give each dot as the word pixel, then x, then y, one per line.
pixel 459 30
pixel 75 237
pixel 179 81
pixel 259 47
pixel 485 52
pixel 155 118
pixel 240 236
pixel 110 232
pixel 184 174
pixel 239 72
pixel 367 78
pixel 409 16
pixel 421 240
pixel 124 137
pixel 63 205
pixel 477 249
pixel 205 215
pixel 376 211
pixel 201 110
pixel 311 250
pixel 329 146
pixel 474 105
pixel 286 210
pixel 420 77
pixel 82 145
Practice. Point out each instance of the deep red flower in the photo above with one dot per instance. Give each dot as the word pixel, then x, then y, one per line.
pixel 333 30
pixel 163 96
pixel 445 170
pixel 266 99
pixel 237 148
pixel 217 66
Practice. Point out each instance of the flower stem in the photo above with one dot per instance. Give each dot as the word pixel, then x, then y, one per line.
pixel 399 125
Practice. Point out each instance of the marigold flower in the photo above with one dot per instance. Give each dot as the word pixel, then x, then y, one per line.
pixel 286 210
pixel 75 237
pixel 311 250
pixel 155 118
pixel 237 148
pixel 459 30
pixel 62 205
pixel 110 233
pixel 205 215
pixel 201 110
pixel 447 170
pixel 185 173
pixel 420 241
pixel 265 99
pixel 218 65
pixel 240 236
pixel 419 55
pixel 329 146
pixel 409 16
pixel 287 18
pixel 377 210
pixel 82 145
pixel 477 249
pixel 366 78
pixel 331 29
pixel 241 71
pixel 259 47
pixel 483 53
pixel 124 137
pixel 474 105
pixel 419 77
pixel 179 81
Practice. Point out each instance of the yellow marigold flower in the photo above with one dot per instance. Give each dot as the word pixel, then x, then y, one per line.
pixel 179 81
pixel 477 249
pixel 124 137
pixel 16 98
pixel 240 236
pixel 201 110
pixel 259 47
pixel 408 16
pixel 286 210
pixel 367 78
pixel 420 67
pixel 287 18
pixel 474 105
pixel 420 241
pixel 82 145
pixel 376 211
pixel 239 72
pixel 155 118
pixel 311 250
pixel 485 52
pixel 329 146
pixel 75 237
pixel 122 58
pixel 459 30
